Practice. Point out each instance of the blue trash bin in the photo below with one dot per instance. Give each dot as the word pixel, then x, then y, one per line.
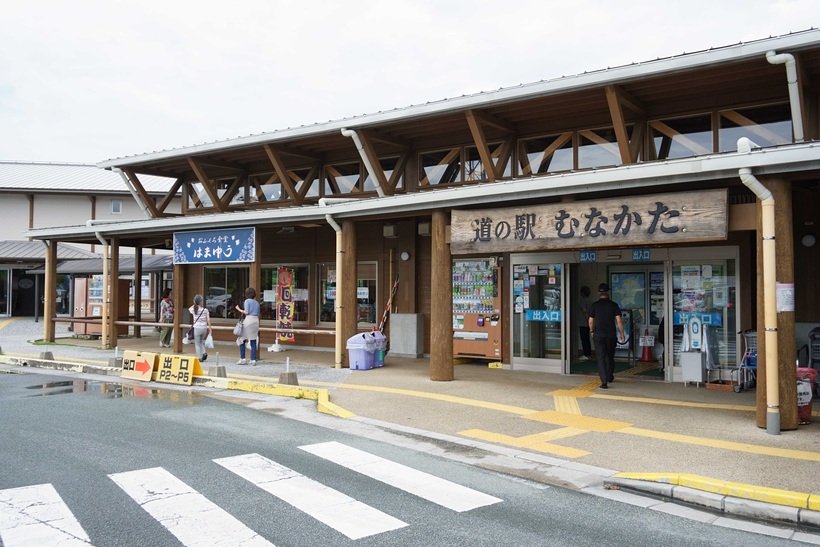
pixel 361 349
pixel 380 342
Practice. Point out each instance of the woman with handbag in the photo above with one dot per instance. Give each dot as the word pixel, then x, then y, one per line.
pixel 250 326
pixel 201 326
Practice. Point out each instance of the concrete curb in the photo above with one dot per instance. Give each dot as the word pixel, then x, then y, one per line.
pixel 727 497
pixel 319 395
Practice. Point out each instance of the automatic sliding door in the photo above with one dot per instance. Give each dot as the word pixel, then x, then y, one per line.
pixel 538 316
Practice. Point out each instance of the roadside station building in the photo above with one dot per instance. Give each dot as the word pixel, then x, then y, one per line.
pixel 675 181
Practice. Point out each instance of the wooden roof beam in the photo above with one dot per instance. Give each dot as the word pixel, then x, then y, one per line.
pixel 369 157
pixel 616 111
pixel 166 201
pixel 483 148
pixel 493 121
pixel 282 172
pixel 149 202
pixel 207 184
pixel 377 136
pixel 231 166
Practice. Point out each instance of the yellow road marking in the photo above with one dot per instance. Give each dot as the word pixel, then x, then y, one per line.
pixel 537 442
pixel 726 445
pixel 568 405
pixel 647 400
pixel 510 409
pixel 6 322
pixel 585 423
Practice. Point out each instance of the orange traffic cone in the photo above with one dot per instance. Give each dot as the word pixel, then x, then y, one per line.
pixel 646 354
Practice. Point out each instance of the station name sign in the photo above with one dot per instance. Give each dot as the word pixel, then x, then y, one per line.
pixel 659 219
pixel 215 246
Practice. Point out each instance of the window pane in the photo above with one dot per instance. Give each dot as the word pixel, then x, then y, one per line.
pixel 342 178
pixel 270 280
pixel 536 157
pixel 224 289
pixel 682 137
pixel 767 126
pixel 592 153
pixel 440 167
pixel 705 292
pixel 366 291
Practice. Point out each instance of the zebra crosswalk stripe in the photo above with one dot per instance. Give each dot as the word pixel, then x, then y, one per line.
pixel 435 489
pixel 37 515
pixel 352 518
pixel 187 514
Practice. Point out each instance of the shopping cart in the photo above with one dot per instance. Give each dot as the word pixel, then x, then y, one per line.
pixel 745 375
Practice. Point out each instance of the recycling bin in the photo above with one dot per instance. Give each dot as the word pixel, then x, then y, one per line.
pixel 805 386
pixel 380 342
pixel 361 350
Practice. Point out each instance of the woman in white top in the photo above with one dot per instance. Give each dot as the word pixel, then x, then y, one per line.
pixel 202 326
pixel 250 326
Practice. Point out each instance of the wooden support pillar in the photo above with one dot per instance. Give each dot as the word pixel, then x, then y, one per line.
pixel 346 286
pixel 441 302
pixel 178 294
pixel 113 291
pixel 137 290
pixel 50 291
pixel 786 351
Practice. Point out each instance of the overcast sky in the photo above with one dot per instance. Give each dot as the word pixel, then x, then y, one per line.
pixel 86 81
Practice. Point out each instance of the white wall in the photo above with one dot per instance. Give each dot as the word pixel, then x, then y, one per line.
pixel 14 215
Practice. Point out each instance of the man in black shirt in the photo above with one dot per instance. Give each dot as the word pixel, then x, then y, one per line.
pixel 604 315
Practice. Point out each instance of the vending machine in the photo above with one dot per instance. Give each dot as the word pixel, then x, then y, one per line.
pixel 476 309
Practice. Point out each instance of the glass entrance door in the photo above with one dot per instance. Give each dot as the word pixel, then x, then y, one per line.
pixel 538 315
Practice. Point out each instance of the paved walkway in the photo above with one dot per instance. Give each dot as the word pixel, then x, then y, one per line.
pixel 637 426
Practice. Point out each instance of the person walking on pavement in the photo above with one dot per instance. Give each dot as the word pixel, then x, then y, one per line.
pixel 201 325
pixel 166 316
pixel 604 316
pixel 583 323
pixel 250 326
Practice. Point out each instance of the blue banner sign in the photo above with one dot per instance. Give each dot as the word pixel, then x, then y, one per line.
pixel 215 246
pixel 641 255
pixel 588 257
pixel 552 316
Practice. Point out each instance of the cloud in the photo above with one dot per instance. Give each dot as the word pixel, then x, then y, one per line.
pixel 90 80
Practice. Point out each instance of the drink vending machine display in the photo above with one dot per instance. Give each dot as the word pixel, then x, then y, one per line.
pixel 476 309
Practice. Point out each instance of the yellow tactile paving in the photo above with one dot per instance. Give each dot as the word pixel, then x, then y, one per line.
pixel 568 405
pixel 538 442
pixel 727 445
pixel 577 393
pixel 585 423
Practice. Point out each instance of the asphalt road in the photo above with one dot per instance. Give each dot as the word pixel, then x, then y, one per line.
pixel 146 466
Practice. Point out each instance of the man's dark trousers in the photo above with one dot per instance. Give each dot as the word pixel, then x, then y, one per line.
pixel 605 356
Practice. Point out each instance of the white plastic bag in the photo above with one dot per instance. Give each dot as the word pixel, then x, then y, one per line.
pixel 186 340
pixel 209 342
